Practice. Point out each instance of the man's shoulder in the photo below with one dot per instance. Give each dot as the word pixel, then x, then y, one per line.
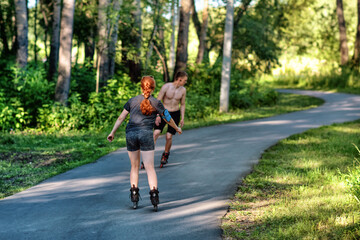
pixel 166 85
pixel 183 89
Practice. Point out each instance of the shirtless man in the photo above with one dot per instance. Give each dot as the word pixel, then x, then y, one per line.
pixel 172 95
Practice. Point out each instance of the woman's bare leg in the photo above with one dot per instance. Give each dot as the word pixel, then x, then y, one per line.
pixel 148 160
pixel 135 164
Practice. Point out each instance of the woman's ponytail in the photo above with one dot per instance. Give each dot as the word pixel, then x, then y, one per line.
pixel 147 86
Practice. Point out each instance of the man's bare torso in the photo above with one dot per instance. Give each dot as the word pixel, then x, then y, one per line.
pixel 172 96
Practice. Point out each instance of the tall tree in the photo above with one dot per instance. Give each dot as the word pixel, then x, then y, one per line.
pixel 344 52
pixel 55 39
pixel 102 46
pixel 183 36
pixel 22 33
pixel 226 66
pixel 66 35
pixel 156 19
pixel 130 35
pixel 174 7
pixel 114 35
pixel 35 30
pixel 357 41
pixel 160 49
pixel 4 40
pixel 202 39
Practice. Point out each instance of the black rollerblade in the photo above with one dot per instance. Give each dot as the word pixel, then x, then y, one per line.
pixel 154 197
pixel 142 166
pixel 164 159
pixel 134 195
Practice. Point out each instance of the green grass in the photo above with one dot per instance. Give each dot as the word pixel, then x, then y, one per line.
pixel 336 80
pixel 298 190
pixel 27 158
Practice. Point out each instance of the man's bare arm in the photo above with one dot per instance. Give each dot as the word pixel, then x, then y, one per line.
pixel 182 108
pixel 162 93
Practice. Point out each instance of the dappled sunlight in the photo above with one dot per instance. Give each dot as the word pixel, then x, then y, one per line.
pixel 69 188
pixel 307 164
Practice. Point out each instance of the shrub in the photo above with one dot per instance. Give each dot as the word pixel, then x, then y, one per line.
pixel 101 110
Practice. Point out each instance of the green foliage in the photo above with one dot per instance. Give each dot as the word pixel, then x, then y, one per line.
pixel 26 90
pixel 252 93
pixel 12 114
pixel 83 80
pixel 344 79
pixel 256 45
pixel 101 110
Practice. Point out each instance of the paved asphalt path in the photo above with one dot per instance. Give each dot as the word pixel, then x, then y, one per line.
pixel 205 166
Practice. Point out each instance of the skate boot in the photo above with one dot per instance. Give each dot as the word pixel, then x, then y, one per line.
pixel 134 195
pixel 142 166
pixel 164 159
pixel 154 197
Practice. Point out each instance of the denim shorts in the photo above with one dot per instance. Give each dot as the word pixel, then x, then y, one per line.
pixel 140 139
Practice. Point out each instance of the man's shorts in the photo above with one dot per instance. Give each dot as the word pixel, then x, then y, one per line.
pixel 140 139
pixel 174 115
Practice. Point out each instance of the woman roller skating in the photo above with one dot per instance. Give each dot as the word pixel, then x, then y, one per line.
pixel 139 137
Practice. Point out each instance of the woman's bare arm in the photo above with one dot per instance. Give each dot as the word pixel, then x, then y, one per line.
pixel 118 122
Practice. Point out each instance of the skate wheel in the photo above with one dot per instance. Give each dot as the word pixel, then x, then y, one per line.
pixel 135 205
pixel 155 208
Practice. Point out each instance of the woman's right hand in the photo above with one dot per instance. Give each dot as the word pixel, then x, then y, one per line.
pixel 110 138
pixel 179 130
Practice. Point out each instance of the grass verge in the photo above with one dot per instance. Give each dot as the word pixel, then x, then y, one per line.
pixel 298 189
pixel 29 157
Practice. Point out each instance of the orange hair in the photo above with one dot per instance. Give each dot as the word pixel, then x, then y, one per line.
pixel 147 86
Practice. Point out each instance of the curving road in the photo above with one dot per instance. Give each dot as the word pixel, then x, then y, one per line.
pixel 205 166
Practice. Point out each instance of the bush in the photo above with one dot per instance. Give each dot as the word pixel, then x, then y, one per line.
pixel 12 114
pixel 251 93
pixel 101 110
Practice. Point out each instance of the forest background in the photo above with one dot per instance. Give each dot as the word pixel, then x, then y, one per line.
pixel 69 65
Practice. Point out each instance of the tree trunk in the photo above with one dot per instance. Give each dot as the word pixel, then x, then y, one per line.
pixel 344 52
pixel 35 31
pixel 135 65
pixel 202 39
pixel 90 45
pixel 161 51
pixel 46 28
pixel 4 40
pixel 102 49
pixel 172 42
pixel 114 37
pixel 66 35
pixel 241 10
pixel 226 66
pixel 22 33
pixel 156 15
pixel 195 19
pixel 183 35
pixel 357 41
pixel 55 40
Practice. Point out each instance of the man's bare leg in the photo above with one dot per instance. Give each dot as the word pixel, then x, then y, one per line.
pixel 156 135
pixel 168 142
